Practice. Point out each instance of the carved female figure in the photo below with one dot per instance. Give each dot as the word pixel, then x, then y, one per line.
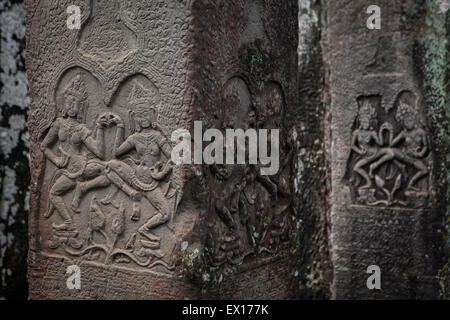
pixel 362 141
pixel 143 180
pixel 415 147
pixel 71 136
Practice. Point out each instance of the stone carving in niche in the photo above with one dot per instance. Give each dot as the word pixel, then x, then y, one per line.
pixel 111 193
pixel 251 209
pixel 389 160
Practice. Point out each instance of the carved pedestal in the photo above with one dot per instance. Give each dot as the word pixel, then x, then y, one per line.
pixel 105 100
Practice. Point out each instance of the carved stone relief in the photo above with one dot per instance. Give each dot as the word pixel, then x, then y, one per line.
pixel 111 197
pixel 105 100
pixel 251 209
pixel 389 163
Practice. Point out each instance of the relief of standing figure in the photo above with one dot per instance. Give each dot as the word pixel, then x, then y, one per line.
pixel 137 178
pixel 71 136
pixel 395 162
pixel 363 140
pixel 144 179
pixel 415 147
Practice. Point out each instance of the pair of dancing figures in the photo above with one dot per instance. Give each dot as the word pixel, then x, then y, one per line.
pixel 79 173
pixel 409 147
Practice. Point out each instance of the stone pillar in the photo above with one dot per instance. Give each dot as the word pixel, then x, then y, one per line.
pixel 105 100
pixel 388 191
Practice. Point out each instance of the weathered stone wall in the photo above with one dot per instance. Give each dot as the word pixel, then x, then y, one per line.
pixel 14 159
pixel 340 63
pixel 252 62
pixel 387 148
pixel 219 231
pixel 126 69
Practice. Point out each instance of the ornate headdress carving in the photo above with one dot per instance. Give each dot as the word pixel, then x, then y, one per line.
pixel 141 104
pixel 367 111
pixel 403 110
pixel 76 88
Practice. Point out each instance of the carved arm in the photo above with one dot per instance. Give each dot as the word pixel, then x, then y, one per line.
pixel 398 138
pixel 354 146
pixel 97 145
pixel 49 140
pixel 424 145
pixel 121 148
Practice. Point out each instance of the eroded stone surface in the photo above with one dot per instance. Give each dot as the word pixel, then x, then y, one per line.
pixel 383 211
pixel 105 100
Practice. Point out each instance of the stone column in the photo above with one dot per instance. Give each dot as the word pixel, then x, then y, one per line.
pixel 388 188
pixel 105 100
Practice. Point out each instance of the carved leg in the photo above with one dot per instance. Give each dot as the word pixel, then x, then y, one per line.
pixel 386 155
pixel 93 174
pixel 358 168
pixel 118 181
pixel 423 170
pixel 159 201
pixel 225 215
pixel 84 187
pixel 401 166
pixel 61 187
pixel 145 229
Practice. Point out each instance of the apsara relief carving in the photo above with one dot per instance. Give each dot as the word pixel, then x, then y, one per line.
pixel 111 198
pixel 251 209
pixel 389 163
